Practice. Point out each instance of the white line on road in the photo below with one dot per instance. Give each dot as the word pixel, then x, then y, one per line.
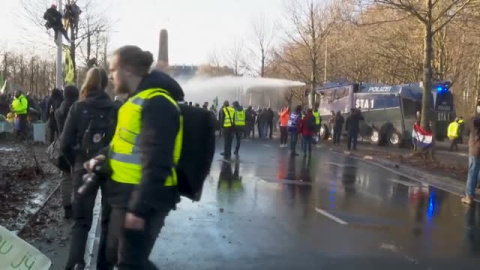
pixel 405 183
pixel 330 216
pixel 340 165
pixel 267 145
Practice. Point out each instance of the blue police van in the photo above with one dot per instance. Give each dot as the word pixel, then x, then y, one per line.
pixel 389 110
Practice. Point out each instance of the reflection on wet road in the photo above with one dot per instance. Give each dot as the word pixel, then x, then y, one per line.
pixel 267 210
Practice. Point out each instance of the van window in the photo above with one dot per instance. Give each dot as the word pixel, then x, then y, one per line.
pixel 410 107
pixel 341 93
pixel 328 97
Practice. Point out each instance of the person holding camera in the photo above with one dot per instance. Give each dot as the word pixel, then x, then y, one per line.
pixel 89 128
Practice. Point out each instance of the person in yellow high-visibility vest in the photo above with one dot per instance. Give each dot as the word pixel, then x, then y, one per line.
pixel 453 133
pixel 20 108
pixel 239 119
pixel 227 115
pixel 143 155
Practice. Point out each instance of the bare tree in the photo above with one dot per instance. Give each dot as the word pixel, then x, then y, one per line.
pixel 263 32
pixel 433 15
pixel 235 58
pixel 214 66
pixel 309 24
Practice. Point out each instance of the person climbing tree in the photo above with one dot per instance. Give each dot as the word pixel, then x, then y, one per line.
pixel 54 20
pixel 72 14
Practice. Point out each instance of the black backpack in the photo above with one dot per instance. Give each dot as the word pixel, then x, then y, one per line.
pixel 98 126
pixel 197 151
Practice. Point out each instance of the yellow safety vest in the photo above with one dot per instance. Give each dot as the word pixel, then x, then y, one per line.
pixel 317 118
pixel 453 130
pixel 124 148
pixel 229 113
pixel 240 118
pixel 20 105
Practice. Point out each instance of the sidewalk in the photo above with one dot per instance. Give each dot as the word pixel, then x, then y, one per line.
pixel 448 174
pixel 442 154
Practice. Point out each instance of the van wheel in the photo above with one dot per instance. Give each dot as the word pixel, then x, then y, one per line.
pixel 324 132
pixel 375 137
pixel 395 139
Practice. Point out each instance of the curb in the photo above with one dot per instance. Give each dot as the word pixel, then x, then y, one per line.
pixel 441 182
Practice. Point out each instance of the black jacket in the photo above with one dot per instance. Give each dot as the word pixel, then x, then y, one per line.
pixel 353 122
pixel 73 130
pixel 62 113
pixel 53 104
pixel 269 116
pixel 160 125
pixel 338 121
pixel 53 17
pixel 250 116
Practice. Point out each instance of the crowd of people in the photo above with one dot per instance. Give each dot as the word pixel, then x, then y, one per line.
pixel 235 121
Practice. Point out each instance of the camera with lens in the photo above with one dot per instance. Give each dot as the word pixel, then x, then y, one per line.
pixel 100 171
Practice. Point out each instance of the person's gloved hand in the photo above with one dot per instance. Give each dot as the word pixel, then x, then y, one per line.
pixel 94 164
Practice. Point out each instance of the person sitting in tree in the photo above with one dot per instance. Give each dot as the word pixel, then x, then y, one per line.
pixel 72 14
pixel 54 20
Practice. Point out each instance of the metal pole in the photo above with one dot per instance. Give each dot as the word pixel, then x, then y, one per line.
pixel 59 75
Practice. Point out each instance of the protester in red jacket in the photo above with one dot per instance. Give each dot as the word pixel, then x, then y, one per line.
pixel 307 128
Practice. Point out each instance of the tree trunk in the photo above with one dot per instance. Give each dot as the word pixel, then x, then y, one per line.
pixel 427 74
pixel 477 90
pixel 312 89
pixel 427 120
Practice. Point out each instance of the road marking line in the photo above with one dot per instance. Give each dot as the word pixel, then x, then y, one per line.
pixel 340 165
pixel 405 183
pixel 267 145
pixel 330 216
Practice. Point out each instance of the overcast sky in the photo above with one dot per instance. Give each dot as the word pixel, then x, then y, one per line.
pixel 196 27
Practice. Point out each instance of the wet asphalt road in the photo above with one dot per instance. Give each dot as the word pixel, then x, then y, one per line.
pixel 269 211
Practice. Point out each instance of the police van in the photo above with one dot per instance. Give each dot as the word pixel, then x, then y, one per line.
pixel 389 110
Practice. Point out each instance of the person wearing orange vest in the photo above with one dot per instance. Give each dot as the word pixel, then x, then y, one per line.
pixel 284 116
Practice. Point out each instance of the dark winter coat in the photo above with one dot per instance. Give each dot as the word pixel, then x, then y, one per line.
pixel 160 125
pixel 338 121
pixel 44 109
pixel 269 115
pixel 261 119
pixel 62 113
pixel 75 128
pixel 250 116
pixel 353 122
pixel 71 95
pixel 53 104
pixel 53 17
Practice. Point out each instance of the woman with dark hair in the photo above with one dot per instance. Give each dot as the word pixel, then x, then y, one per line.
pixel 71 95
pixel 89 127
